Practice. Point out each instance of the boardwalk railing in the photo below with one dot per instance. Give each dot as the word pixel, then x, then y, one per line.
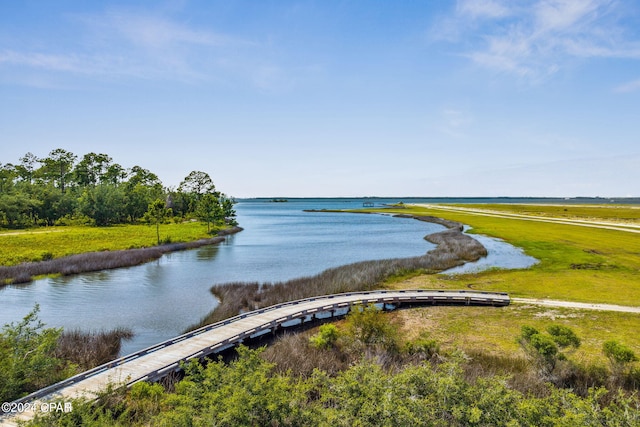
pixel 273 318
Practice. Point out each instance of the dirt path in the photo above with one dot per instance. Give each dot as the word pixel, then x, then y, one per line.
pixel 631 228
pixel 18 233
pixel 578 305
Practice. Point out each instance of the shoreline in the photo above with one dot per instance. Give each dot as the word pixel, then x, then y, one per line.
pixel 103 260
pixel 453 248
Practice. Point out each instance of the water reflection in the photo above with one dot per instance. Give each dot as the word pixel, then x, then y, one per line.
pixel 206 253
pixel 500 254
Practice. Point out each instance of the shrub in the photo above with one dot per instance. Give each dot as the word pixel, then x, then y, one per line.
pixel 368 326
pixel 563 336
pixel 326 337
pixel 618 353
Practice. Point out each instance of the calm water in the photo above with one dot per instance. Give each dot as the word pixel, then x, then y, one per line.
pixel 161 299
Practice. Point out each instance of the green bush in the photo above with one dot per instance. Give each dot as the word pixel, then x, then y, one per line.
pixel 326 337
pixel 26 363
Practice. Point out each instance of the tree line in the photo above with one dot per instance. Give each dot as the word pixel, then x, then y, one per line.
pixel 63 189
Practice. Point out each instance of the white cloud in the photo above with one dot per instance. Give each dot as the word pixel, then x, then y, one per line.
pixel 482 8
pixel 138 44
pixel 538 38
pixel 565 15
pixel 154 32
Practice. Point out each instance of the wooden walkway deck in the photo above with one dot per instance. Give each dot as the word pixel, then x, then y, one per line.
pixel 155 362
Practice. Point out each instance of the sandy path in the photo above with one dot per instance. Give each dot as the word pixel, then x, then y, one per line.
pixel 631 228
pixel 578 305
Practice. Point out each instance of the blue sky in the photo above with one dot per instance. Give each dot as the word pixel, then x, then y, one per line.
pixel 334 98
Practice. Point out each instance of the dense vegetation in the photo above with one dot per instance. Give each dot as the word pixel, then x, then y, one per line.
pixel 437 369
pixel 371 376
pixel 59 189
pixel 33 356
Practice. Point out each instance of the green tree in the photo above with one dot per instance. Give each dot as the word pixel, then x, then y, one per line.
pixel 105 204
pixel 209 210
pixel 7 176
pixel 197 183
pixel 27 167
pixel 92 169
pixel 18 210
pixel 228 212
pixel 142 188
pixel 157 213
pixel 58 166
pixel 26 363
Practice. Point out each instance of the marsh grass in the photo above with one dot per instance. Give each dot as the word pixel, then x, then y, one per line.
pixel 453 248
pixel 90 349
pixel 96 261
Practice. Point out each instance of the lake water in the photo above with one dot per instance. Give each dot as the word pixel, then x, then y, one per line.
pixel 280 241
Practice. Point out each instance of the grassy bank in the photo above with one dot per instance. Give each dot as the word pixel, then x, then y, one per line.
pixel 95 249
pixel 576 264
pixel 54 242
pixel 613 213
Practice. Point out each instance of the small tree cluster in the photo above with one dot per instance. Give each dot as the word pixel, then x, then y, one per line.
pixel 59 189
pixel 546 348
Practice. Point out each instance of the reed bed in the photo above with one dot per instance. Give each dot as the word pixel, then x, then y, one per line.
pixel 453 248
pixel 96 261
pixel 90 349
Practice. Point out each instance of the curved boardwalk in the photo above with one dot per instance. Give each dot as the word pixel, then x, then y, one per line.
pixel 155 362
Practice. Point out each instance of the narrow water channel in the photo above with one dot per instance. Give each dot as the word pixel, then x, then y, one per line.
pixel 160 299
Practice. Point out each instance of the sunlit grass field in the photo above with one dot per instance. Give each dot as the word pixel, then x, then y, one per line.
pixel 494 330
pixel 615 213
pixel 576 264
pixel 42 243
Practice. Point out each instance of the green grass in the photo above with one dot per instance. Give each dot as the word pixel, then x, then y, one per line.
pixel 626 213
pixel 494 330
pixel 34 245
pixel 576 264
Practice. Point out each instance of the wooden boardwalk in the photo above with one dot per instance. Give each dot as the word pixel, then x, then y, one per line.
pixel 157 361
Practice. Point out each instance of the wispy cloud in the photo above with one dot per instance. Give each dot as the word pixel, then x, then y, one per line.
pixel 136 44
pixel 455 122
pixel 155 32
pixel 482 9
pixel 535 39
pixel 632 86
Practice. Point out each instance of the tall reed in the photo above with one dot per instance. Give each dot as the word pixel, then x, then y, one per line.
pixel 90 349
pixel 453 248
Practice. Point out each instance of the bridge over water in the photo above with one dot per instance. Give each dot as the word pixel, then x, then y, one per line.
pixel 155 362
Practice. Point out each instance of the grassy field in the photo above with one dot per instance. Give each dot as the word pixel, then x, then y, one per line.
pixel 54 242
pixel 613 213
pixel 576 264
